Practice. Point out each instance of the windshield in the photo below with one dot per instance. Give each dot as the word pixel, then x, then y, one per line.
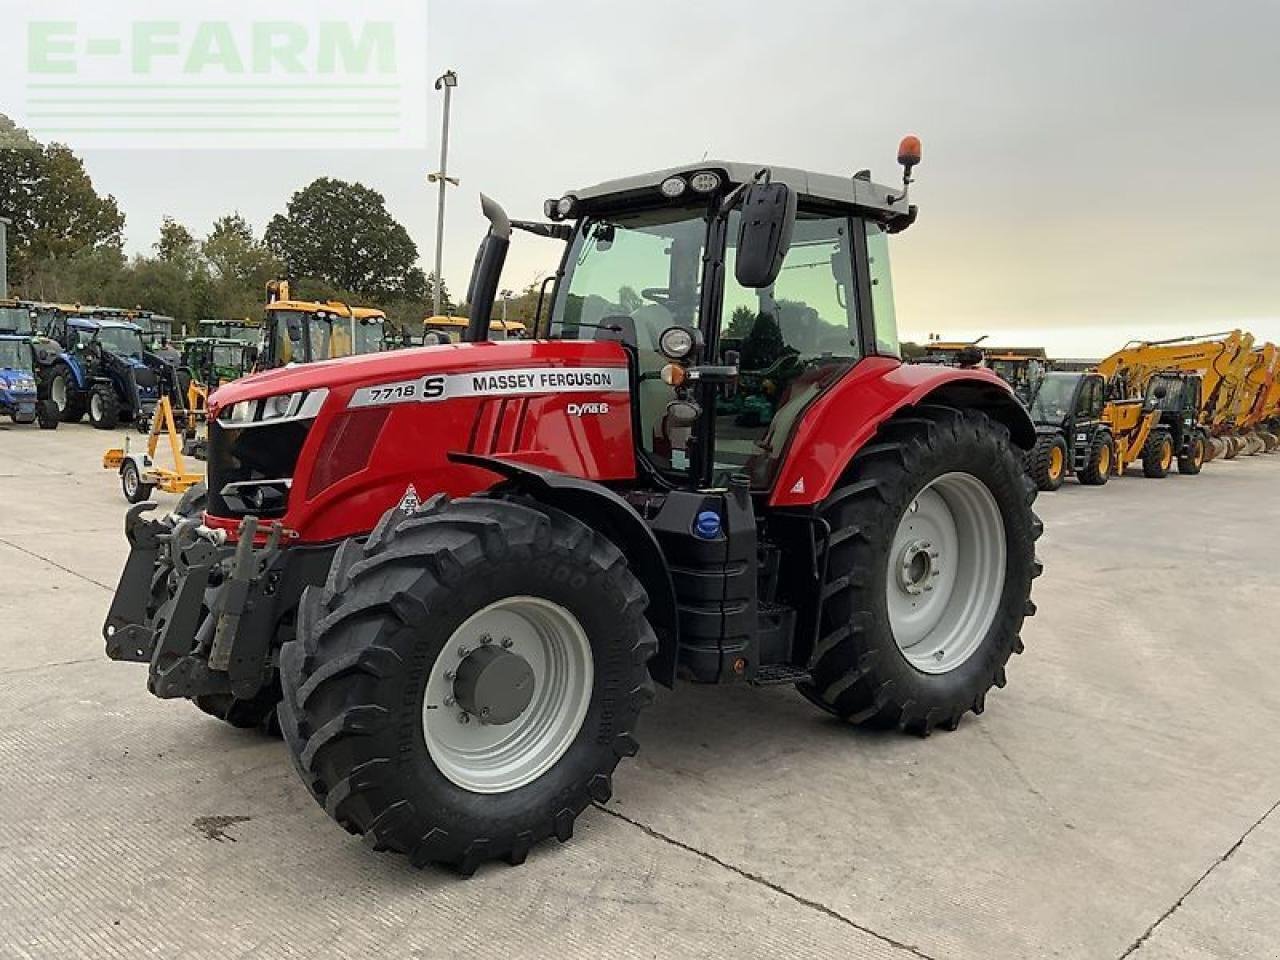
pixel 15 354
pixel 639 273
pixel 122 341
pixel 227 355
pixel 369 336
pixel 644 267
pixel 15 319
pixel 1052 402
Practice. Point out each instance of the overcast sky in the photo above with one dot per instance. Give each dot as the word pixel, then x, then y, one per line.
pixel 1094 169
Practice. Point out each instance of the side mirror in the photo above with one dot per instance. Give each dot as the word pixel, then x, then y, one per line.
pixel 768 218
pixel 1161 392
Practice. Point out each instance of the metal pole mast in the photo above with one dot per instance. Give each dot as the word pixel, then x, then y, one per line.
pixel 446 81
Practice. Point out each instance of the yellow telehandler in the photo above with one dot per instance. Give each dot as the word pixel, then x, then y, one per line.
pixel 1221 360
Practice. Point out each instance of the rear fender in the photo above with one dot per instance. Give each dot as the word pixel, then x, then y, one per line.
pixel 603 510
pixel 848 415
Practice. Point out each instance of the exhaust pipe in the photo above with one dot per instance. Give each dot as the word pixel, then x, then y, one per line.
pixel 487 271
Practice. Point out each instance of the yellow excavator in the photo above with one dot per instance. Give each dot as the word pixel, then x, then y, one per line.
pixel 1222 361
pixel 1249 403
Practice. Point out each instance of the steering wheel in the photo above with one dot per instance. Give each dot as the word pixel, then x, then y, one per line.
pixel 659 295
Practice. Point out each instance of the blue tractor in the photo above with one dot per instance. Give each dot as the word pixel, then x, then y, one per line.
pixel 19 399
pixel 100 366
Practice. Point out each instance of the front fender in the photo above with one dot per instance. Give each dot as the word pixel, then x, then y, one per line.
pixel 847 416
pixel 77 371
pixel 603 510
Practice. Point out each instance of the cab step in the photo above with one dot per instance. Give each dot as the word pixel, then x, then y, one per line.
pixel 776 674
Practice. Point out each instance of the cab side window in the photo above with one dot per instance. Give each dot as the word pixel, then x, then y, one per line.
pixel 790 342
pixel 886 320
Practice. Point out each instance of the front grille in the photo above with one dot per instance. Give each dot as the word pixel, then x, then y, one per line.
pixel 238 455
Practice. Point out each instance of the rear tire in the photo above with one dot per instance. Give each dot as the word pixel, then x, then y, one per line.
pixel 361 677
pixel 1157 455
pixel 104 408
pixel 865 669
pixel 64 395
pixel 1191 462
pixel 1102 460
pixel 1047 461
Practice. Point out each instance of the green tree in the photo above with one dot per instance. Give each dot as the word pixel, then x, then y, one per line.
pixel 176 244
pixel 240 265
pixel 342 234
pixel 740 322
pixel 55 209
pixel 429 294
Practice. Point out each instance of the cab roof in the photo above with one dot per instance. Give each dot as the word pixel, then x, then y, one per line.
pixel 845 190
pixel 86 323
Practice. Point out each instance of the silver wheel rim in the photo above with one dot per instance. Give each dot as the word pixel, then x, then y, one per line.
pixel 946 573
pixel 59 391
pixel 95 406
pixel 488 758
pixel 131 481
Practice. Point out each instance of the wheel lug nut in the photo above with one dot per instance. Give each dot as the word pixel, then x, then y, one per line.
pixel 449 701
pixel 486 639
pixel 484 712
pixel 464 717
pixel 506 642
pixel 450 675
pixel 463 650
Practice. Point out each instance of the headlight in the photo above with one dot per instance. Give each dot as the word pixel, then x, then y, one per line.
pixel 677 343
pixel 282 408
pixel 704 182
pixel 672 187
pixel 565 205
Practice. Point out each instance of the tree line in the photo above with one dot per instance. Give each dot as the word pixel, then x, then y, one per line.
pixel 335 240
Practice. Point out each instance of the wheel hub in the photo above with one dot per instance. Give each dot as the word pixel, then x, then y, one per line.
pixel 507 694
pixel 919 565
pixel 493 684
pixel 946 572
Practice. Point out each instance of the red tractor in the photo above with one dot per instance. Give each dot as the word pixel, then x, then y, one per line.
pixel 454 574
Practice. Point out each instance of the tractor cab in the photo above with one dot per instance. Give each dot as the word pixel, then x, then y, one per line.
pixel 213 361
pixel 248 332
pixel 732 342
pixel 1178 395
pixel 301 331
pixel 1072 436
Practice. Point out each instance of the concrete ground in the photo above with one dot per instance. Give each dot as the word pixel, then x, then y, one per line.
pixel 1116 800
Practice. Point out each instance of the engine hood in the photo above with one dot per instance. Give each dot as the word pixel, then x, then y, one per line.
pixel 399 365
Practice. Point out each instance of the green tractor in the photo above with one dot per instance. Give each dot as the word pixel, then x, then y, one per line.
pixel 214 361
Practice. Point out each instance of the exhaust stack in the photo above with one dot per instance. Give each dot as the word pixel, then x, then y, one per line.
pixel 487 271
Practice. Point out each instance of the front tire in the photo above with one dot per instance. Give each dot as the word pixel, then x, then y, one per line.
pixel 104 408
pixel 47 415
pixel 1102 460
pixel 388 653
pixel 1047 461
pixel 1191 462
pixel 908 638
pixel 1157 455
